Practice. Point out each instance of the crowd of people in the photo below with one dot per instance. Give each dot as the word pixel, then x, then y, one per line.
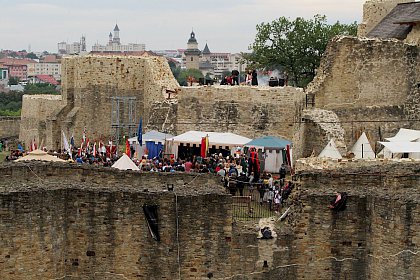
pixel 251 78
pixel 240 173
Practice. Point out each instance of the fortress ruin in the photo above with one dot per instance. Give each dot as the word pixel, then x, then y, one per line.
pixel 75 222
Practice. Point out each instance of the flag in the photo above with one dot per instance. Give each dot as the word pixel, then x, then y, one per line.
pixel 72 141
pixel 140 132
pixel 127 148
pixel 30 146
pixel 65 142
pixel 84 134
pixel 33 145
pixel 94 150
pixel 204 146
pixel 20 148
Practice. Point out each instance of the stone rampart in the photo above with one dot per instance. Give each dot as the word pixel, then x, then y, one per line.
pixel 244 110
pixel 9 127
pixel 365 72
pixel 66 221
pixel 75 222
pixel 105 94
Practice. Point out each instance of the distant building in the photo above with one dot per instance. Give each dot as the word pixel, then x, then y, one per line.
pixel 211 63
pixel 4 75
pixel 73 48
pixel 114 44
pixel 17 67
pixel 192 53
pixel 49 65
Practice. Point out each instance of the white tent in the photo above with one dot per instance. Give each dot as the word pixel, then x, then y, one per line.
pixel 225 140
pixel 125 163
pixel 41 156
pixel 330 151
pixel 402 147
pixel 362 148
pixel 405 135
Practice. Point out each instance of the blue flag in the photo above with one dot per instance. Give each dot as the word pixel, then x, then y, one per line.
pixel 72 141
pixel 140 132
pixel 20 148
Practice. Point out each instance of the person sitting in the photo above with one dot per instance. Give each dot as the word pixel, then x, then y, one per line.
pixel 339 202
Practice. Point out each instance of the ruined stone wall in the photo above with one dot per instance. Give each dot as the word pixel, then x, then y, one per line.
pixel 375 237
pixel 9 127
pixel 36 110
pixel 244 110
pixel 374 11
pixel 92 88
pixel 84 222
pixel 365 72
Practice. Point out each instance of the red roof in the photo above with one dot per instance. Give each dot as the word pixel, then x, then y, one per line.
pixel 16 61
pixel 47 79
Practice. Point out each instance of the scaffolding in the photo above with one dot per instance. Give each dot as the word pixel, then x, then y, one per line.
pixel 123 117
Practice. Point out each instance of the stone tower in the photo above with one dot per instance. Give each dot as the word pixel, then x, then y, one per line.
pixel 192 54
pixel 374 11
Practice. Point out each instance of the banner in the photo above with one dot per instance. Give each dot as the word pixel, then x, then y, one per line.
pixel 127 148
pixel 140 132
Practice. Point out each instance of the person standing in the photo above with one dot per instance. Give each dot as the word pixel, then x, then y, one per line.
pixel 254 81
pixel 235 77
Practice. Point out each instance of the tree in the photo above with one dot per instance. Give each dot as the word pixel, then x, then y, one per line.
pixel 13 81
pixel 184 74
pixel 294 46
pixel 31 56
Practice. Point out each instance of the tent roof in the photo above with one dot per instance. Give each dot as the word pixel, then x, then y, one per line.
pixel 269 142
pixel 362 148
pixel 215 138
pixel 152 135
pixel 125 163
pixel 402 147
pixel 41 156
pixel 405 135
pixel 330 151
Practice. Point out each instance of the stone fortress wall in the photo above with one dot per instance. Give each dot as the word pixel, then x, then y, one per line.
pixel 370 85
pixel 77 222
pixel 61 221
pixel 9 127
pixel 244 110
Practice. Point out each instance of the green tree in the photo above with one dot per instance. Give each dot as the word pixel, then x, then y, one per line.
pixel 184 74
pixel 41 88
pixel 294 46
pixel 31 56
pixel 13 81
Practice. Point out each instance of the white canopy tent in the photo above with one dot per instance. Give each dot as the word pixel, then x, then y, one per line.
pixel 330 151
pixel 411 148
pixel 405 135
pixel 125 163
pixel 218 139
pixel 40 156
pixel 362 148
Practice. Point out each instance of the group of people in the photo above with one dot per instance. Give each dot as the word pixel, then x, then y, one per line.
pixel 251 78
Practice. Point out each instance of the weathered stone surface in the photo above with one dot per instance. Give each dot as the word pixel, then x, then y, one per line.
pixel 9 127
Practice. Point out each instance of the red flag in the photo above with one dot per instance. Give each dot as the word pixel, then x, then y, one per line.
pixel 94 150
pixel 30 146
pixel 127 148
pixel 33 145
pixel 203 147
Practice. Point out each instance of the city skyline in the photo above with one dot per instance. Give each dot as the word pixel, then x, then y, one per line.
pixel 158 24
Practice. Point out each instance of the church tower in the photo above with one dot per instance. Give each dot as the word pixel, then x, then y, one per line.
pixel 116 39
pixel 192 54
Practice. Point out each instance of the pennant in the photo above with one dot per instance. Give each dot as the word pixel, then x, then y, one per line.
pixel 140 132
pixel 65 142
pixel 94 150
pixel 204 144
pixel 20 148
pixel 127 148
pixel 72 141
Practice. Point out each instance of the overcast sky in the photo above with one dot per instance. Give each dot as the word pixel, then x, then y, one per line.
pixel 227 26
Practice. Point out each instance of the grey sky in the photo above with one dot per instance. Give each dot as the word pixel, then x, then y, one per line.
pixel 227 26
